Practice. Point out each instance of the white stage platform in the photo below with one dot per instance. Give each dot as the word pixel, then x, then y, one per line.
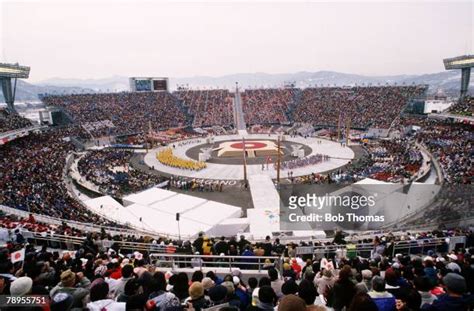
pixel 339 156
pixel 148 197
pixel 155 209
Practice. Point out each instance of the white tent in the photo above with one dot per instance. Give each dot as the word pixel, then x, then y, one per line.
pixel 155 210
pixel 148 196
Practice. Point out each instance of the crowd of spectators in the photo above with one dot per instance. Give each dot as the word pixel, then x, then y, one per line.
pixel 378 278
pixel 464 106
pixel 110 170
pixel 268 106
pixel 452 145
pixel 209 107
pixel 12 121
pixel 31 175
pixel 396 160
pixel 452 207
pixel 375 106
pixel 131 113
pixel 121 113
pixel 306 161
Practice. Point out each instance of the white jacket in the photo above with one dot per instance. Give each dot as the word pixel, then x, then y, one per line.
pixel 106 304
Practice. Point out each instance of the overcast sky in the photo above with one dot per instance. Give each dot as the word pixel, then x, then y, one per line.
pixel 72 39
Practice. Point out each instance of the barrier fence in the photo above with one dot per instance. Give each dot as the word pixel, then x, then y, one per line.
pixel 165 255
pixel 86 227
pixel 365 250
pixel 256 263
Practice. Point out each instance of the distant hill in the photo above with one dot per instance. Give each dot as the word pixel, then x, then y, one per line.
pixel 447 81
pixel 29 92
pixel 110 84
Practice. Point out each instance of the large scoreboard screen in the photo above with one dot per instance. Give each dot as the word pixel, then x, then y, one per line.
pixel 143 85
pixel 148 84
pixel 160 84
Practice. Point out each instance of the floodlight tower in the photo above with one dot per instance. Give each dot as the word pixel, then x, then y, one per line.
pixel 7 73
pixel 465 63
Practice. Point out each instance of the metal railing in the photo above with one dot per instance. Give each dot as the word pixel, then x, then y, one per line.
pixel 419 246
pixel 74 242
pixel 159 253
pixel 256 263
pixel 85 227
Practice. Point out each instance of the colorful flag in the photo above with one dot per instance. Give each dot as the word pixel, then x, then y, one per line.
pixel 18 256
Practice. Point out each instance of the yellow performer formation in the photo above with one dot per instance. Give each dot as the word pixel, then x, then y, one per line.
pixel 166 157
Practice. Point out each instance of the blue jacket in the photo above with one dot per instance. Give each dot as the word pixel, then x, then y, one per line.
pixel 448 303
pixel 385 304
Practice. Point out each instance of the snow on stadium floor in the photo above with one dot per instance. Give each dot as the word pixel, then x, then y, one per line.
pixel 340 156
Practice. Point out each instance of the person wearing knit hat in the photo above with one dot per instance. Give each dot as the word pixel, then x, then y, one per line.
pixel 453 299
pixel 196 296
pixel 236 280
pixel 217 294
pixel 68 278
pixel 231 298
pixel 21 286
pixel 207 283
pixel 455 283
pixel 74 284
pixel 384 300
pixel 291 303
pixel 367 274
pixel 365 285
pixel 196 290
pixel 230 287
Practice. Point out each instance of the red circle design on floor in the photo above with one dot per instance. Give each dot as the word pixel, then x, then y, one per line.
pixel 249 145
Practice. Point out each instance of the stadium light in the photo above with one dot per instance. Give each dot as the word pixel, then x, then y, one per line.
pixel 7 73
pixel 14 71
pixel 465 63
pixel 459 62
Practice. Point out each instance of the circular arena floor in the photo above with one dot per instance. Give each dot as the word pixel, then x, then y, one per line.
pixel 230 169
pixel 286 148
